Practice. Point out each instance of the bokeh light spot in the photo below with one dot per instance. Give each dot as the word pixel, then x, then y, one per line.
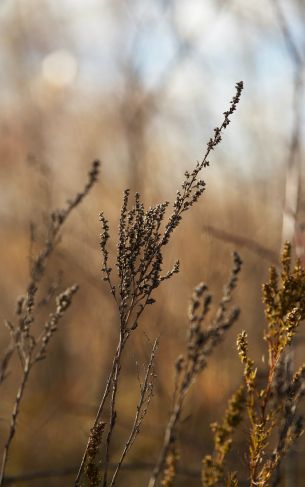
pixel 59 68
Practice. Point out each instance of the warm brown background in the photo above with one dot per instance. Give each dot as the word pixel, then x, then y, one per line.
pixel 140 85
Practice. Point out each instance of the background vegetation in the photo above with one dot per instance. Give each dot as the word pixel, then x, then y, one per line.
pixel 140 86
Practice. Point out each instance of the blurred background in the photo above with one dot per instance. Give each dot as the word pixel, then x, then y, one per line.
pixel 140 85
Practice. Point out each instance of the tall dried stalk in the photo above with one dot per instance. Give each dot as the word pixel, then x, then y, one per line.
pixel 200 344
pixel 146 392
pixel 272 408
pixel 30 348
pixel 139 264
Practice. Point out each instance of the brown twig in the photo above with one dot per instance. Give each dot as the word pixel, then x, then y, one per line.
pixel 98 415
pixel 146 391
pixel 113 413
pixel 15 413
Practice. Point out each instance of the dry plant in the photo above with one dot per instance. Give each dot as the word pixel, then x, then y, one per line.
pixel 31 347
pixel 139 262
pixel 213 468
pixel 272 408
pixel 200 344
pixel 274 421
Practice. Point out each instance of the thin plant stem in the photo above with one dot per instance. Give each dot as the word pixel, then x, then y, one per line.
pixel 139 413
pixel 112 415
pixel 97 417
pixel 171 426
pixel 15 414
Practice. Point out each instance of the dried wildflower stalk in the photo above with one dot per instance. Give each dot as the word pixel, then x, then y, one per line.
pixel 30 348
pixel 26 304
pixel 213 468
pixel 92 471
pixel 273 408
pixel 139 263
pixel 200 344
